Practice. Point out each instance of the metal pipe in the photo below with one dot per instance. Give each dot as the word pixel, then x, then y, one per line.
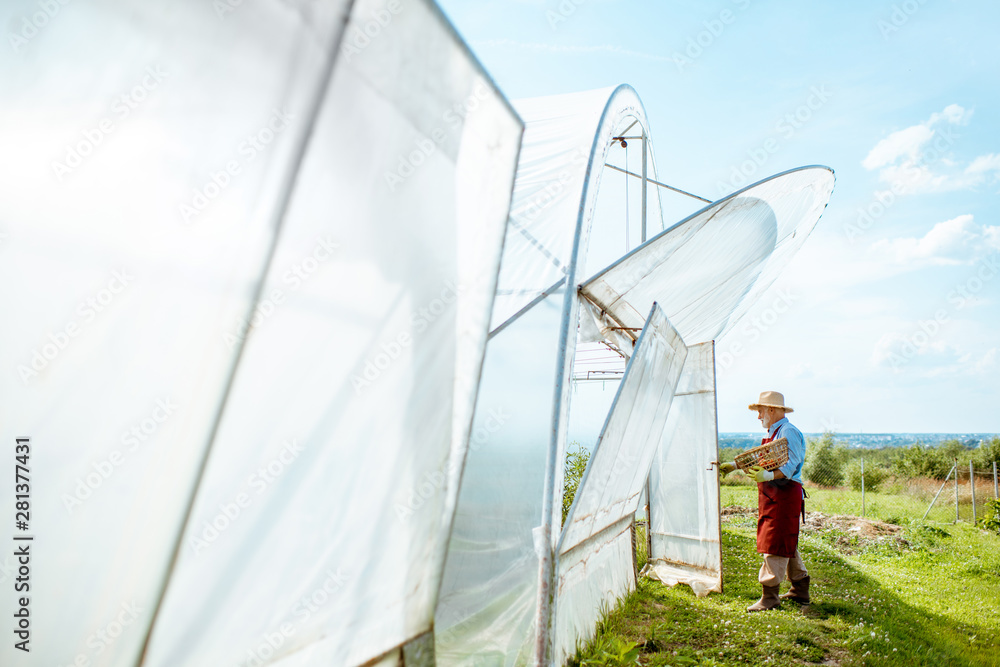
pixel 718 488
pixel 938 493
pixel 862 487
pixel 956 490
pixel 649 521
pixel 644 179
pixel 972 486
pixel 662 185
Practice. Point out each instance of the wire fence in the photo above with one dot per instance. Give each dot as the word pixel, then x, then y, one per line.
pixel 895 485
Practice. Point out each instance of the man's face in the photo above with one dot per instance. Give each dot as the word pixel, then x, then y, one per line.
pixel 768 416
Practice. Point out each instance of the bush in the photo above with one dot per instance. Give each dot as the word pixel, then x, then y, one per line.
pixel 874 475
pixel 573 469
pixel 987 452
pixel 825 461
pixel 993 522
pixel 922 461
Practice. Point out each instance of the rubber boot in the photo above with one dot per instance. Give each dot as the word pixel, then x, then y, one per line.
pixel 769 600
pixel 799 592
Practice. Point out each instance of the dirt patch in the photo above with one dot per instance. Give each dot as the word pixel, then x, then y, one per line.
pixel 849 534
pixel 867 528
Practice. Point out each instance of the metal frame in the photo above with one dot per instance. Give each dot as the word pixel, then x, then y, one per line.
pixel 718 487
pixel 528 306
pixel 662 185
pixel 718 202
pixel 613 110
pixel 600 441
pixel 718 490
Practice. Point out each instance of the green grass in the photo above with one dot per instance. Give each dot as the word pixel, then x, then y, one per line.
pixel 932 599
pixel 882 505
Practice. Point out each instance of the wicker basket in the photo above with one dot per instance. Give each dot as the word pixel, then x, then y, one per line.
pixel 769 456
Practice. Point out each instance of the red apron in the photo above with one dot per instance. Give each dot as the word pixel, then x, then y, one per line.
pixel 779 504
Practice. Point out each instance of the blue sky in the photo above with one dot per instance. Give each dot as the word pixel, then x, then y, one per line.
pixel 894 324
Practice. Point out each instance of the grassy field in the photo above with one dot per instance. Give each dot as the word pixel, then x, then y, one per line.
pixel 891 507
pixel 895 502
pixel 923 594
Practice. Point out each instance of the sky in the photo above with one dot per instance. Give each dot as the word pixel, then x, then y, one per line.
pixel 890 317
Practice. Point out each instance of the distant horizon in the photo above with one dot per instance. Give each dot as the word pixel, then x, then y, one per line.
pixel 874 432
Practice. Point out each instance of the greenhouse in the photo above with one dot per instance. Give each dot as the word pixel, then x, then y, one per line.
pixel 301 340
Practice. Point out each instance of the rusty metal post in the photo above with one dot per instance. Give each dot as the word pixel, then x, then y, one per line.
pixel 972 486
pixel 996 496
pixel 956 491
pixel 863 486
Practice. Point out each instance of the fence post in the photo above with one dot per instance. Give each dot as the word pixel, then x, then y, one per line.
pixel 972 485
pixel 996 496
pixel 956 491
pixel 863 486
pixel 953 470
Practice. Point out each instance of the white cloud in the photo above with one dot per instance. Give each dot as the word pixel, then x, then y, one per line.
pixel 906 142
pixel 987 363
pixel 984 163
pixel 930 357
pixel 895 350
pixel 956 241
pixel 905 158
pixel 953 114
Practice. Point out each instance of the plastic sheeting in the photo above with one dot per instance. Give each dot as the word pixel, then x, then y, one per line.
pixel 592 561
pixel 684 525
pixel 708 269
pixel 180 279
pixel 503 547
pixel 554 169
pixel 491 601
pixel 489 594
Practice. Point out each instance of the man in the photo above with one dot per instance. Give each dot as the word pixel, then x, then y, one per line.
pixel 779 503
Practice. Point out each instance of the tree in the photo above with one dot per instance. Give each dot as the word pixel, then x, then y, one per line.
pixel 874 475
pixel 919 460
pixel 825 461
pixel 573 469
pixel 987 452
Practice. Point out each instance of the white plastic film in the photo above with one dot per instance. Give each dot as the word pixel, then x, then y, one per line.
pixel 557 165
pixel 593 578
pixel 708 269
pixel 684 483
pixel 566 141
pixel 486 612
pixel 319 529
pixel 380 426
pixel 594 568
pixel 147 148
pixel 551 169
pixel 620 461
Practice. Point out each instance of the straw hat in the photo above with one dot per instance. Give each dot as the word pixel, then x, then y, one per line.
pixel 770 399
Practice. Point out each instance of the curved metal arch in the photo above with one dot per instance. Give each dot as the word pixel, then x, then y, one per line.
pixel 622 103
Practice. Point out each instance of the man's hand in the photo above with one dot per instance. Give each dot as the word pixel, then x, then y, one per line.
pixel 727 467
pixel 760 475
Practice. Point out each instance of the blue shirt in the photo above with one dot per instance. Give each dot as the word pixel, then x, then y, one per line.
pixel 796 448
